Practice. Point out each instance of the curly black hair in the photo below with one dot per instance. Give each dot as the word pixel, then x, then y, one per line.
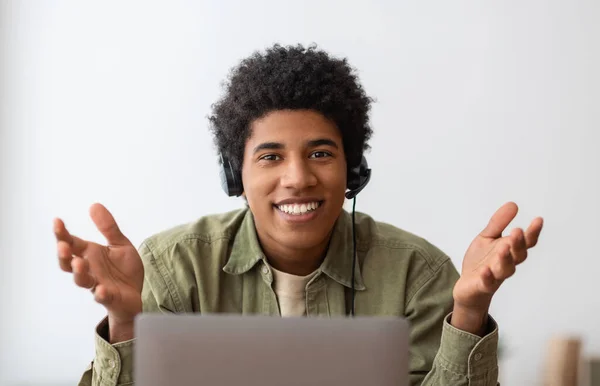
pixel 291 77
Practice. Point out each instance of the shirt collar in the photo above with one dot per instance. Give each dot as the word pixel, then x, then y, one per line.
pixel 339 258
pixel 246 251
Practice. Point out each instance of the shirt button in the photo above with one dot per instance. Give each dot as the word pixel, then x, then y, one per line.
pixel 478 356
pixel 264 269
pixel 111 363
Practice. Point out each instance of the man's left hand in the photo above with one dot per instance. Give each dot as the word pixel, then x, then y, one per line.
pixel 490 259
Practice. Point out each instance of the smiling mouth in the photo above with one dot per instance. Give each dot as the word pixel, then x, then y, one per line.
pixel 299 209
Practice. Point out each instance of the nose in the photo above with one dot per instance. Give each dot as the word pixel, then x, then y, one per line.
pixel 298 175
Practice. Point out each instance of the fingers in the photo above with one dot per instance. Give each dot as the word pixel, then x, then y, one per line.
pixel 78 246
pixel 532 233
pixel 64 256
pixel 500 220
pixel 508 252
pixel 81 273
pixel 503 217
pixel 70 255
pixel 498 268
pixel 107 225
pixel 67 246
pixel 102 295
pixel 518 248
pixel 502 266
pixel 72 250
pixel 84 279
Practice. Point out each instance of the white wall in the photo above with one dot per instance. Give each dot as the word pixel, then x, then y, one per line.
pixel 478 103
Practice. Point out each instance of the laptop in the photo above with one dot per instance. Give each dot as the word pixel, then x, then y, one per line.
pixel 242 350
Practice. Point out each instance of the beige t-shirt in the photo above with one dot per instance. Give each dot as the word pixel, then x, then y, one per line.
pixel 291 292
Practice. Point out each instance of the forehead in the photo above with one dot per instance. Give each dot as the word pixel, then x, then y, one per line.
pixel 293 127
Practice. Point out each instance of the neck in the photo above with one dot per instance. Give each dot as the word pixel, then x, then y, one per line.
pixel 295 261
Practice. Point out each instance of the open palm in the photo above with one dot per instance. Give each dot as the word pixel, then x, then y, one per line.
pixel 492 258
pixel 114 272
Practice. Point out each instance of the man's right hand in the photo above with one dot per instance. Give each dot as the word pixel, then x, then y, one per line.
pixel 113 272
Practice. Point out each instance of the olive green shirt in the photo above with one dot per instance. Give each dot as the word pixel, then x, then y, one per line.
pixel 216 265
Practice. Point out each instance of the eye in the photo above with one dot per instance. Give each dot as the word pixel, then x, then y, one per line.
pixel 320 154
pixel 270 157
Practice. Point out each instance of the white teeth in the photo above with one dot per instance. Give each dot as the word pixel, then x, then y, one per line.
pixel 297 209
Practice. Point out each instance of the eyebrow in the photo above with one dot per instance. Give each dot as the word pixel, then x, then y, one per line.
pixel 311 143
pixel 268 146
pixel 322 142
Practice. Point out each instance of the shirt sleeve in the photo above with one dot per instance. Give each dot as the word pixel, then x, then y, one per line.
pixel 113 364
pixel 464 358
pixel 440 354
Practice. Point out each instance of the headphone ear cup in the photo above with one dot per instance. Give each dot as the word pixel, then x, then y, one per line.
pixel 353 179
pixel 358 178
pixel 230 181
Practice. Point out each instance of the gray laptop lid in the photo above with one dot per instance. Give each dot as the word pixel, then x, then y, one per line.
pixel 229 350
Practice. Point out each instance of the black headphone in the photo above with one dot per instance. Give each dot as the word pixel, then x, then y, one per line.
pixel 231 179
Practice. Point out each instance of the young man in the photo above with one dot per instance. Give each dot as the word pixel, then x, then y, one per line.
pixel 293 125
